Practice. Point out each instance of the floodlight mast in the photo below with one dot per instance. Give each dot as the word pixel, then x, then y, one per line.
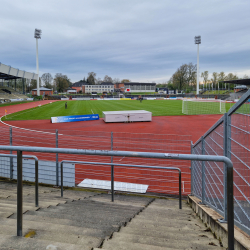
pixel 197 41
pixel 37 36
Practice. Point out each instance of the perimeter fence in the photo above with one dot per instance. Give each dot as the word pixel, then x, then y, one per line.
pixel 230 137
pixel 158 180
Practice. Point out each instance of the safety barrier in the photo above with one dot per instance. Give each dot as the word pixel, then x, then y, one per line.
pixel 112 174
pixel 227 161
pixel 230 137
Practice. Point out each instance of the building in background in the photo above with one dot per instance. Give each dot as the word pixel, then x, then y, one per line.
pixel 104 87
pixel 133 87
pixel 43 91
pixel 78 86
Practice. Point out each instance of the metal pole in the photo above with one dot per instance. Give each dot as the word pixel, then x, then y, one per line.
pixel 112 171
pixel 230 208
pixel 225 167
pixel 180 190
pixel 36 181
pixel 61 179
pixel 57 165
pixel 197 87
pixel 15 84
pixel 37 68
pixel 19 193
pixel 203 171
pixel 192 172
pixel 11 159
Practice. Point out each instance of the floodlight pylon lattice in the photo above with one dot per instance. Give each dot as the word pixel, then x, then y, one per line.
pixel 37 35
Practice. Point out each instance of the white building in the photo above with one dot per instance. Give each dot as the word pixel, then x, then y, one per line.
pixel 103 87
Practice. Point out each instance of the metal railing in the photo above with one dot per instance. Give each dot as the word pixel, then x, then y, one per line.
pixel 112 174
pixel 230 137
pixel 227 161
pixel 49 164
pixel 36 172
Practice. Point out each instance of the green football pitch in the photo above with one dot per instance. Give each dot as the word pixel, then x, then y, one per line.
pixel 157 107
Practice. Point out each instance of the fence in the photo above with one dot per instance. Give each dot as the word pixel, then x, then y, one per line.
pixel 225 160
pixel 230 137
pixel 159 180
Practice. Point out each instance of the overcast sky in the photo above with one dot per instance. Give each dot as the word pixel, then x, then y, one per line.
pixel 140 40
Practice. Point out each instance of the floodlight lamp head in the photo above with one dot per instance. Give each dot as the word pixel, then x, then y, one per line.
pixel 38 33
pixel 197 39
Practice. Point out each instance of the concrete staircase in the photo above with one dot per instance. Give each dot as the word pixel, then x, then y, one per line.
pixel 89 220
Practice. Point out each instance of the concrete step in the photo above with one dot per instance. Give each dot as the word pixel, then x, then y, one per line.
pixel 122 245
pixel 9 227
pixel 82 218
pixel 181 243
pixel 169 233
pixel 21 243
pixel 144 222
pixel 78 223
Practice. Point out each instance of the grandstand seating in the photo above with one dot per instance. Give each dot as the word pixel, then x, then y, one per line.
pixel 7 93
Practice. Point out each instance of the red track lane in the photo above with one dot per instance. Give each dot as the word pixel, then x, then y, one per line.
pixel 194 126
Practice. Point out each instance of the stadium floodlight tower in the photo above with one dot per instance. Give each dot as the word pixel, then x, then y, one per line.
pixel 197 40
pixel 37 36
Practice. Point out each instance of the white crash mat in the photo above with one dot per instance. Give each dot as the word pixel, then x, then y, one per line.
pixel 118 186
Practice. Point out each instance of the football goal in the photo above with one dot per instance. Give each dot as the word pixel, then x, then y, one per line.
pixel 203 106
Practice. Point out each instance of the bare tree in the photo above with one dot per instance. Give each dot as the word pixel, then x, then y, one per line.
pixel 91 78
pixel 107 79
pixel 125 80
pixel 221 78
pixel 205 76
pixel 116 80
pixel 214 79
pixel 47 80
pixel 61 82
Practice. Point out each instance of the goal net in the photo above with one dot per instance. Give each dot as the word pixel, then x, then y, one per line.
pixel 203 106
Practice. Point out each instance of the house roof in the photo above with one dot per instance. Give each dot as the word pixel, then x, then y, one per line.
pixel 140 83
pixel 42 89
pixel 106 83
pixel 79 84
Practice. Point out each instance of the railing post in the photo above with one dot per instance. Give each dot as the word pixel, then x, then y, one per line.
pixel 225 166
pixel 180 205
pixel 11 159
pixel 19 193
pixel 203 171
pixel 230 208
pixel 192 172
pixel 57 165
pixel 112 171
pixel 36 182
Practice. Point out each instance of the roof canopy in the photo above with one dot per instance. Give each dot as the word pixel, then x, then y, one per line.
pixel 239 81
pixel 9 73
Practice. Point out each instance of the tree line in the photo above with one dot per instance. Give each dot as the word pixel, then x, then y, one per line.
pixel 185 78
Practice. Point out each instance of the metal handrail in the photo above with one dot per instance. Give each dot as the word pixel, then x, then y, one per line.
pixel 36 172
pixel 227 161
pixel 112 174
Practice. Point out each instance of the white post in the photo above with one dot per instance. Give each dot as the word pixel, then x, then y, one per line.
pixel 182 106
pixel 37 68
pixel 197 86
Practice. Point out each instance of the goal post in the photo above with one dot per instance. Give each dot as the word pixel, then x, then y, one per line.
pixel 203 106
